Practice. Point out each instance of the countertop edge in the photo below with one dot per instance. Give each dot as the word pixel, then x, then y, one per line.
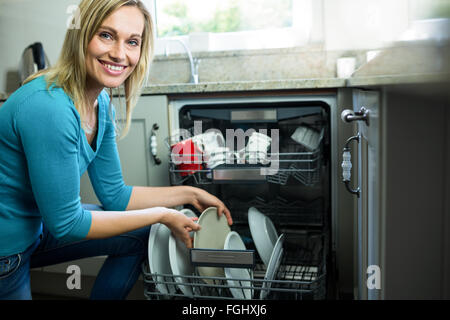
pixel 234 86
pixel 382 80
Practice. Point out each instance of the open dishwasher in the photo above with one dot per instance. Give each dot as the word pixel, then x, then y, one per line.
pixel 289 184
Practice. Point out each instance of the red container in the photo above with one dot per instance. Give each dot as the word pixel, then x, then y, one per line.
pixel 187 156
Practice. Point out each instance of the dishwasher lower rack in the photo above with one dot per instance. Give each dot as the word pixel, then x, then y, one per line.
pixel 301 275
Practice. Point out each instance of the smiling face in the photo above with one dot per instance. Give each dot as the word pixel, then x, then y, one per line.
pixel 115 49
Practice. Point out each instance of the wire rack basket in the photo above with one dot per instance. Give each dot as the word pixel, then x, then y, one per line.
pixel 282 212
pixel 301 275
pixel 293 163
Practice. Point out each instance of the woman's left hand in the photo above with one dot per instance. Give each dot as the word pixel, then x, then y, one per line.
pixel 203 200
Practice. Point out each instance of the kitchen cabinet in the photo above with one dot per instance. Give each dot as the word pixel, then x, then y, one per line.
pixel 402 224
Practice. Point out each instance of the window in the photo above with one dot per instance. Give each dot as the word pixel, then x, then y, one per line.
pixel 215 25
pixel 220 25
pixel 429 9
pixel 179 17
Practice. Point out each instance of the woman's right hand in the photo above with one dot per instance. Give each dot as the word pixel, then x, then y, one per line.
pixel 180 225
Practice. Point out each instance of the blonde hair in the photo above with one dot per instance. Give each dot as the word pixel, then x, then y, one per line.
pixel 69 72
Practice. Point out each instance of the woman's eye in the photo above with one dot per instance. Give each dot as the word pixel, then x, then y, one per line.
pixel 105 35
pixel 134 43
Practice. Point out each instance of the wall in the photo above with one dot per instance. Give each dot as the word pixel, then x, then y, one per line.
pixel 269 64
pixel 363 24
pixel 24 22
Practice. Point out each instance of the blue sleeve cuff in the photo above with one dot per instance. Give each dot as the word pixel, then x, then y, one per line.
pixel 81 228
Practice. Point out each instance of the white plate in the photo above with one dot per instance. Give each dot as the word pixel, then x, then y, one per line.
pixel 180 262
pixel 263 233
pixel 158 257
pixel 274 264
pixel 212 235
pixel 234 242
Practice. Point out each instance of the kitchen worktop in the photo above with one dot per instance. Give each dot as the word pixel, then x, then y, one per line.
pixel 291 84
pixel 260 85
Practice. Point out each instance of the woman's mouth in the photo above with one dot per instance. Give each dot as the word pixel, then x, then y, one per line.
pixel 112 68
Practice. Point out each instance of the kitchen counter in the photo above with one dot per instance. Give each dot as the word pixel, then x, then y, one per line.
pixel 384 80
pixel 291 84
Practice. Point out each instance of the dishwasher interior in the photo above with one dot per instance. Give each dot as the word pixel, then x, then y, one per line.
pixel 295 194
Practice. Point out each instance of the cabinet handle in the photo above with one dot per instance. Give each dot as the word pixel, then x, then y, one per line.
pixel 362 115
pixel 154 144
pixel 347 165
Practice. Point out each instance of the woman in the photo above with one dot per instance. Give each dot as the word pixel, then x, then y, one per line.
pixel 58 125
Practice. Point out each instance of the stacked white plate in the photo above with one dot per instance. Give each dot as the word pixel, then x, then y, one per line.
pixel 169 256
pixel 272 268
pixel 238 277
pixel 212 235
pixel 263 233
pixel 158 257
pixel 180 263
pixel 268 244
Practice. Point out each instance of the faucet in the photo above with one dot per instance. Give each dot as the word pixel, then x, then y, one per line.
pixel 193 62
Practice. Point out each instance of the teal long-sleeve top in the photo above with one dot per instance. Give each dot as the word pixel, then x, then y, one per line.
pixel 43 153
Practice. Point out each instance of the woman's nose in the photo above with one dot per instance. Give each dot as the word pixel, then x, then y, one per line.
pixel 117 52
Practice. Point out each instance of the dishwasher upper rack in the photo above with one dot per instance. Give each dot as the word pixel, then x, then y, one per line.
pixel 292 163
pixel 301 275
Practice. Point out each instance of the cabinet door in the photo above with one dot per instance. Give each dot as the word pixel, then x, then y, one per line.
pixel 415 191
pixel 138 165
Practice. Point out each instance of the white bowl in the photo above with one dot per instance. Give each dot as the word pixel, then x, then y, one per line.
pixel 234 242
pixel 180 262
pixel 212 235
pixel 263 233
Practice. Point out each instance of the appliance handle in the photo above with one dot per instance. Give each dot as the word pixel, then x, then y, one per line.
pixel 154 144
pixel 362 115
pixel 347 165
